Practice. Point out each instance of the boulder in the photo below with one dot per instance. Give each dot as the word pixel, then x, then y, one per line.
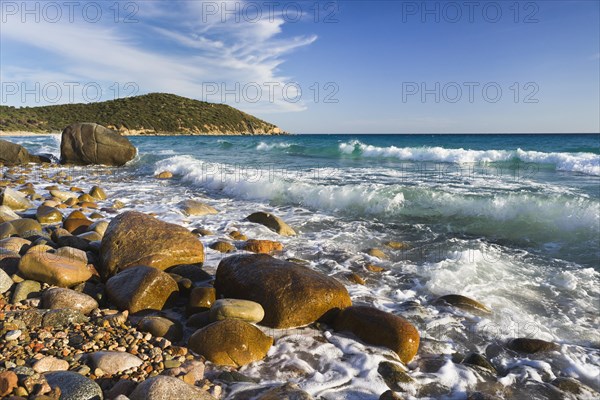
pixel 53 269
pixel 88 143
pixel 201 299
pixel 194 207
pixel 163 387
pixel 15 154
pixel 141 288
pixel 133 238
pixel 26 227
pixel 14 199
pixel 272 222
pixel 58 298
pixel 291 295
pixel 97 193
pixel 245 310
pixel 230 342
pixel 380 328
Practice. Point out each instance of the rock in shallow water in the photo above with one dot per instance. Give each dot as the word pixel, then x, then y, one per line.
pixel 530 346
pixel 291 295
pixel 134 238
pixel 197 208
pixel 230 342
pixel 141 288
pixel 380 328
pixel 272 222
pixel 463 302
pixel 88 143
pixel 14 199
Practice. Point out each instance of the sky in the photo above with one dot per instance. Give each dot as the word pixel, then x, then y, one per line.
pixel 319 67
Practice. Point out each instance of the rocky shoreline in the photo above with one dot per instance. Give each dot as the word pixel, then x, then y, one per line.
pixel 100 303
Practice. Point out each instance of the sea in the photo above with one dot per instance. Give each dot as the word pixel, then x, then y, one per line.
pixel 512 221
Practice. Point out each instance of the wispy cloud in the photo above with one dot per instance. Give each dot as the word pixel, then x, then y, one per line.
pixel 175 47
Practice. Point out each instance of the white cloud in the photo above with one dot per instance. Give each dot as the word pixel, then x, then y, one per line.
pixel 175 48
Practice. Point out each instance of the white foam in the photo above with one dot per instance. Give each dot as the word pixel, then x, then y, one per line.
pixel 266 146
pixel 587 163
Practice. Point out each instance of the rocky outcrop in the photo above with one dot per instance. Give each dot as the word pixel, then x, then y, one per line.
pixel 15 154
pixel 89 143
pixel 291 295
pixel 134 238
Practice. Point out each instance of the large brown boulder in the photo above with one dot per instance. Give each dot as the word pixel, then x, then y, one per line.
pixel 141 288
pixel 15 154
pixel 88 143
pixel 380 328
pixel 134 238
pixel 292 295
pixel 231 342
pixel 14 199
pixel 53 269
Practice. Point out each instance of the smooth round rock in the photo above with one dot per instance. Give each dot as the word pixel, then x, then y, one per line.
pixel 244 310
pixel 50 363
pixel 272 222
pixel 161 327
pixel 113 362
pixel 13 335
pixel 163 387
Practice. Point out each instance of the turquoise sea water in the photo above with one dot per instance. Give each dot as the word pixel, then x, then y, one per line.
pixel 510 220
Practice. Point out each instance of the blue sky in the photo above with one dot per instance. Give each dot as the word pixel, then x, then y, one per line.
pixel 340 67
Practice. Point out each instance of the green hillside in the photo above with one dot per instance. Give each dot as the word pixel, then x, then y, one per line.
pixel 155 113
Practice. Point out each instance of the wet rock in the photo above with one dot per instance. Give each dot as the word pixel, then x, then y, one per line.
pixel 201 299
pixel 231 342
pixel 262 246
pixel 244 310
pixel 199 320
pixel 394 376
pixel 203 232
pixel 7 214
pixel 74 386
pixel 53 269
pixel 397 245
pixel 48 215
pixel 58 298
pixel 165 387
pixel 288 391
pixel 375 252
pixel 26 227
pixel 272 222
pixel 161 327
pixel 291 295
pixel 50 363
pixel 193 272
pixel 72 253
pixel 141 288
pixel 194 207
pixel 222 246
pixel 14 199
pixel 97 193
pixel 77 223
pixel 99 227
pixel 569 385
pixel 7 230
pixel 14 154
pixel 88 143
pixel 480 361
pixel 113 362
pixel 355 278
pixel 530 346
pixel 62 195
pixel 164 175
pixel 380 328
pixel 133 238
pixel 463 302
